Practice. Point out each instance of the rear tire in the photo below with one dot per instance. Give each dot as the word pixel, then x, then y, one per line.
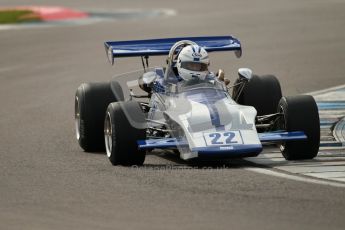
pixel 300 114
pixel 261 92
pixel 91 102
pixel 121 135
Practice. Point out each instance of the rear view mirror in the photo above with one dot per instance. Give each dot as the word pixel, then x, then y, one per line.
pixel 146 81
pixel 245 73
pixel 149 77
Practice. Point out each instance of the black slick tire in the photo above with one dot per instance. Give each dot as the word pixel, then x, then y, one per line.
pixel 261 92
pixel 124 125
pixel 91 102
pixel 300 114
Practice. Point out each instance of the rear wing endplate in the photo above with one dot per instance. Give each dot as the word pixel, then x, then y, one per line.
pixel 156 47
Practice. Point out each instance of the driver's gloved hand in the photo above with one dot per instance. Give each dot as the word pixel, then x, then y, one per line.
pixel 220 75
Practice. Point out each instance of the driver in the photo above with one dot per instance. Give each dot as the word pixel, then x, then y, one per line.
pixel 189 67
pixel 192 65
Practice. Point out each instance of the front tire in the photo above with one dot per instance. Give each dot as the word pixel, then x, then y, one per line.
pixel 123 127
pixel 91 102
pixel 261 92
pixel 300 114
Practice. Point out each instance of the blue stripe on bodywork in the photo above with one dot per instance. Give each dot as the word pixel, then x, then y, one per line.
pixel 215 118
pixel 208 98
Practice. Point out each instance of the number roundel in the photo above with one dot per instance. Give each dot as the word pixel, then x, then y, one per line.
pixel 223 138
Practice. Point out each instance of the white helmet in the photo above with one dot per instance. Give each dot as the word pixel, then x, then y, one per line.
pixel 192 62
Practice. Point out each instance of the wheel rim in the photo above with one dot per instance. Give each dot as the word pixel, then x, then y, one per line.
pixel 108 135
pixel 77 117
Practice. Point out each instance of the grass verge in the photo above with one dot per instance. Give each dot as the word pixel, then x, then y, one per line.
pixel 18 16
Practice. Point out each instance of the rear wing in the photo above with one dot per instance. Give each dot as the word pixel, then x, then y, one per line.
pixel 156 47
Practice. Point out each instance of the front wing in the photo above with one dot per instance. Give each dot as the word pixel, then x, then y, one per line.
pixel 240 150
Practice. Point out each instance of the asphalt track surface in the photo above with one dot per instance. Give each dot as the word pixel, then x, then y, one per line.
pixel 48 182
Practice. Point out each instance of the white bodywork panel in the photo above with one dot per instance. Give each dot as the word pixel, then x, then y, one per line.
pixel 209 122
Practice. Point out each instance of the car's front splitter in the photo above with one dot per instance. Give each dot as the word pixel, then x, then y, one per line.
pixel 233 151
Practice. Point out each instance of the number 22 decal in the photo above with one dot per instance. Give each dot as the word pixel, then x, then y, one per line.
pixel 228 140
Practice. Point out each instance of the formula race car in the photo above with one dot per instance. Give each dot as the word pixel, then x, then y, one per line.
pixel 201 119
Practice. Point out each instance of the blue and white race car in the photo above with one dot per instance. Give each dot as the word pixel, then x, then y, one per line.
pixel 202 119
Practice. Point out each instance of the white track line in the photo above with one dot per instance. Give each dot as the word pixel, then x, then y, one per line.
pixel 272 172
pixel 326 90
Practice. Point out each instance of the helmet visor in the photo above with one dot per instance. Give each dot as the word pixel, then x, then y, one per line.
pixel 194 66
